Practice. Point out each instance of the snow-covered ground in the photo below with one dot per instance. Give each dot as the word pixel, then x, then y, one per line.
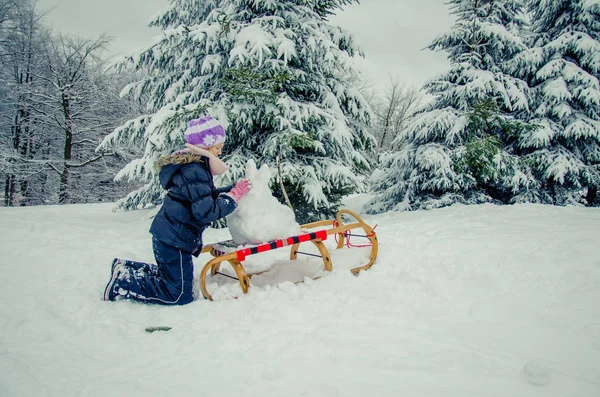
pixel 462 301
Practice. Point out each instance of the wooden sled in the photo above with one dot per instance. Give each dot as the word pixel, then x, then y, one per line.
pixel 227 251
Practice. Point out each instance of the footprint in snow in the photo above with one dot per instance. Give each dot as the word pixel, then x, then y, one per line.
pixel 537 373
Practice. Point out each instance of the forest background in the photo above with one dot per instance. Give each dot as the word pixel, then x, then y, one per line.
pixel 511 117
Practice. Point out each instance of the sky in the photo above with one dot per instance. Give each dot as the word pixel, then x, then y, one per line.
pixel 392 33
pixel 479 300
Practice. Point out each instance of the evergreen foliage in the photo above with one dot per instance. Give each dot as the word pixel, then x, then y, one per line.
pixel 279 78
pixel 562 67
pixel 460 147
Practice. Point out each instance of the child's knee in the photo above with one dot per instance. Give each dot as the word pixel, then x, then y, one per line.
pixel 182 294
pixel 185 299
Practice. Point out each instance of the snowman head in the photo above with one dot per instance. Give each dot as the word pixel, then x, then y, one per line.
pixel 260 217
pixel 260 178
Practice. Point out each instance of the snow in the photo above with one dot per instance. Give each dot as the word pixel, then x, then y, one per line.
pixel 462 301
pixel 256 41
pixel 260 217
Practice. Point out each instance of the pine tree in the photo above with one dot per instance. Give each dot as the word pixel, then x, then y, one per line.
pixel 277 75
pixel 562 67
pixel 459 148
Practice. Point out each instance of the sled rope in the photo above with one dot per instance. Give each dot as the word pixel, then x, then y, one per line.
pixel 347 236
pixel 227 275
pixel 309 254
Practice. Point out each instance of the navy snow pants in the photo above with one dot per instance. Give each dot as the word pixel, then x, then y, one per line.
pixel 168 282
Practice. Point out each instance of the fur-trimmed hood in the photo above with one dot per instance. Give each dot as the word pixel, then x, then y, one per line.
pixel 184 158
pixel 168 166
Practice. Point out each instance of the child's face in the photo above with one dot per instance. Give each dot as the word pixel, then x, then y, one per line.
pixel 217 149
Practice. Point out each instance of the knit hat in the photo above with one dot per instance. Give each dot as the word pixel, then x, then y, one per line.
pixel 204 132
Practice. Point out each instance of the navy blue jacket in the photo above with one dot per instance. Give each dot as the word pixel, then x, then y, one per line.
pixel 192 204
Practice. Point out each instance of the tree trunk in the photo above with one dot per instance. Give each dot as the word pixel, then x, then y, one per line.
pixel 387 122
pixel 23 196
pixel 26 152
pixel 592 193
pixel 64 176
pixel 9 190
pixel 11 177
pixel 64 182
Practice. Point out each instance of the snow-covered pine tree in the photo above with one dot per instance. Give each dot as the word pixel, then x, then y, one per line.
pixel 459 147
pixel 562 67
pixel 277 75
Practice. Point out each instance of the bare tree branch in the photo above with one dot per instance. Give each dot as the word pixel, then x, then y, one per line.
pixel 93 160
pixel 392 108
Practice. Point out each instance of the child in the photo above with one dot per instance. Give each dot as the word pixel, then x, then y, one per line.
pixel 191 205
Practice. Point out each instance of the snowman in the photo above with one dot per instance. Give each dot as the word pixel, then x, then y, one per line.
pixel 260 217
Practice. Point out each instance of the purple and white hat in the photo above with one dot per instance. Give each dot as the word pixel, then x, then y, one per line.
pixel 205 132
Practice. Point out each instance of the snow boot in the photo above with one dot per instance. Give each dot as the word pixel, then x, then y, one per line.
pixel 110 292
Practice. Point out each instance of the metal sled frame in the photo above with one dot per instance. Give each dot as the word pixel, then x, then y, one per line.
pixel 235 258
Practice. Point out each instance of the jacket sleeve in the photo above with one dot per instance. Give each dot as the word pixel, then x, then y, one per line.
pixel 225 189
pixel 196 186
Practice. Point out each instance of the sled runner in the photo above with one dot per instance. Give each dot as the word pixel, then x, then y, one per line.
pixel 227 251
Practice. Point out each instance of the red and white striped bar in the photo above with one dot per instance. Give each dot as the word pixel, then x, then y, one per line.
pixel 243 253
